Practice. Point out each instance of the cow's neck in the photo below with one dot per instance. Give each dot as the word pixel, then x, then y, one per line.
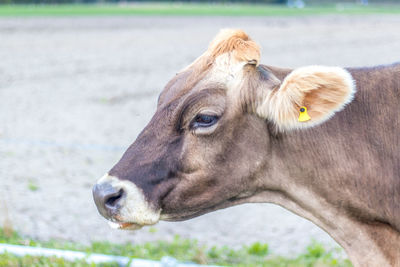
pixel 294 182
pixel 365 244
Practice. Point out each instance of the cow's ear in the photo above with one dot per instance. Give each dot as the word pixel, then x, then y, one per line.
pixel 308 96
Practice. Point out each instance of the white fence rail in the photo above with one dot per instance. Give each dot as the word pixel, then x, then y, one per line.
pixel 92 257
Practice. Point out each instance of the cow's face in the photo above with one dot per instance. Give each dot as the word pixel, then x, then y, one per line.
pixel 207 145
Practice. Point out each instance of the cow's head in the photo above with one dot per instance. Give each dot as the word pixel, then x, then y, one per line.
pixel 209 143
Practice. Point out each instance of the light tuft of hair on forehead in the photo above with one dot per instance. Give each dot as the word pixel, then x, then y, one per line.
pixel 228 41
pixel 237 42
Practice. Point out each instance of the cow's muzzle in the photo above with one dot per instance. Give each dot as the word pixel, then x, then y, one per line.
pixel 123 204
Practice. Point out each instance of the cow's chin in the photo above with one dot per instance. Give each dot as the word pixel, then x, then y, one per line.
pixel 186 215
pixel 175 217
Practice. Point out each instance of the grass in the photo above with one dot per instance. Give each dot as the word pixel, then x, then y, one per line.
pixel 190 9
pixel 256 254
pixel 32 186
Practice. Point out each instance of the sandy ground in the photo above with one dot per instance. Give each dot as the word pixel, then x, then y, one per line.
pixel 75 92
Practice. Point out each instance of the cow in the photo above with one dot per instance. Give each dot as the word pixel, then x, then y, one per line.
pixel 320 141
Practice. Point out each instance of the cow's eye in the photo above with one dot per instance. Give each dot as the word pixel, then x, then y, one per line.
pixel 202 120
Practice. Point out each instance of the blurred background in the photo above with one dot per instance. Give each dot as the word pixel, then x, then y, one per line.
pixel 78 82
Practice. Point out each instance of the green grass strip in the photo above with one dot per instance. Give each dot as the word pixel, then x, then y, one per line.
pixel 183 250
pixel 188 9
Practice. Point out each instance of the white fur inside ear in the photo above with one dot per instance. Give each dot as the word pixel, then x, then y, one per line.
pixel 323 90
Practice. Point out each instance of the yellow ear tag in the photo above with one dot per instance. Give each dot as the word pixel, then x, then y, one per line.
pixel 303 114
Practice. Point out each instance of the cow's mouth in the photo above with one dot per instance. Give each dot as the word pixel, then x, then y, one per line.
pixel 124 225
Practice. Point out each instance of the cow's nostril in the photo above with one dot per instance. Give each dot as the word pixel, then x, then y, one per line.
pixel 112 200
pixel 107 198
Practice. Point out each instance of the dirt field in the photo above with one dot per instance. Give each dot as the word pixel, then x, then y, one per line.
pixel 75 92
